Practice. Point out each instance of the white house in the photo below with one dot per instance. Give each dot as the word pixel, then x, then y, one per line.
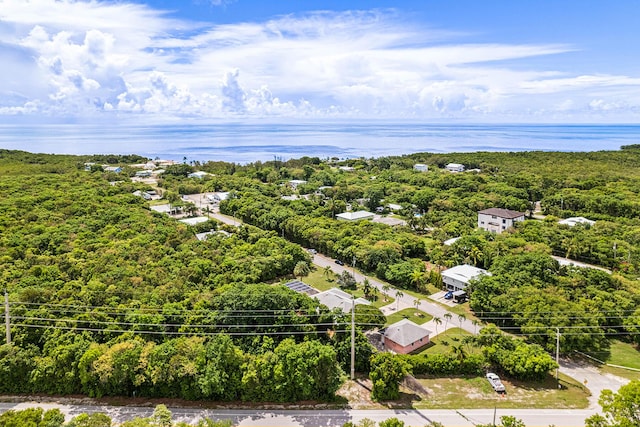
pixel 575 220
pixel 336 298
pixel 421 167
pixel 198 175
pixel 355 216
pixel 496 220
pixel 457 278
pixel 195 220
pixel 217 197
pixel 451 241
pixel 454 167
pixel 166 209
pixel 206 234
pixel 107 168
pixel 294 183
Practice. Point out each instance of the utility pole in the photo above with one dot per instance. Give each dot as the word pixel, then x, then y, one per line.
pixel 495 408
pixel 7 323
pixel 557 355
pixel 353 337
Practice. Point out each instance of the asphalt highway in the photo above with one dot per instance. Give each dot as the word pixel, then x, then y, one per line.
pixel 329 418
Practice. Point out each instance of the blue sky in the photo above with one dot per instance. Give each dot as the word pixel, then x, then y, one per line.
pixel 279 60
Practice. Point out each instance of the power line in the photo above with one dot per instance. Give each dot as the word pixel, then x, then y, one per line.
pixel 123 331
pixel 178 325
pixel 211 314
pixel 159 310
pixel 170 312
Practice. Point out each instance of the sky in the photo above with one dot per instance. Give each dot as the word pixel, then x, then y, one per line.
pixel 150 61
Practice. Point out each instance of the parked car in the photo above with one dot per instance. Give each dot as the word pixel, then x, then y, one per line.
pixel 313 251
pixel 495 382
pixel 339 262
pixel 448 295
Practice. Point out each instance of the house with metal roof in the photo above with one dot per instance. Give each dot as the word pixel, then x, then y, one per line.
pixel 405 336
pixel 454 167
pixel 575 220
pixel 336 298
pixel 198 175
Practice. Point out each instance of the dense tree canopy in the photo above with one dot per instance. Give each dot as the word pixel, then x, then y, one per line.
pixel 98 282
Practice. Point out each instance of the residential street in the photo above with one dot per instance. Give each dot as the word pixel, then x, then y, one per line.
pixel 330 418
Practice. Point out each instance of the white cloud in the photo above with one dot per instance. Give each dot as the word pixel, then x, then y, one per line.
pixel 89 57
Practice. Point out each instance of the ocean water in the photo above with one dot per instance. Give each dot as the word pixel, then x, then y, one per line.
pixel 244 143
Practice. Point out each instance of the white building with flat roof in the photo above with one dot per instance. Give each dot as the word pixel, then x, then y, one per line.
pixel 421 167
pixel 457 278
pixel 355 216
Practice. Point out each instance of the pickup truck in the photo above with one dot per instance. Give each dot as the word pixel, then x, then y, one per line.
pixel 495 382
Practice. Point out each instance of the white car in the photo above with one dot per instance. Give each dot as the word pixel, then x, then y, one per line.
pixel 495 382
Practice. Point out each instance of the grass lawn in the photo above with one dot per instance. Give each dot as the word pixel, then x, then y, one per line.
pixel 318 280
pixel 441 343
pixel 471 393
pixel 622 354
pixel 619 372
pixel 416 316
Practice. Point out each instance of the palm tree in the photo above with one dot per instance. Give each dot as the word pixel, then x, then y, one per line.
pixel 301 269
pixel 437 321
pixel 447 317
pixel 399 295
pixel 459 351
pixel 476 254
pixel 461 318
pixel 366 288
pixel 326 272
pixel 475 326
pixel 374 293
pixel 385 289
pixel 416 303
pixel 468 341
pixel 417 278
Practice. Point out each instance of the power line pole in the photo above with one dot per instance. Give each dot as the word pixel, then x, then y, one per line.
pixel 557 355
pixel 353 337
pixel 7 322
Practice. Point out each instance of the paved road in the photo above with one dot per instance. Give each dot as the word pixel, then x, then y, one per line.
pixel 330 418
pixel 592 378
